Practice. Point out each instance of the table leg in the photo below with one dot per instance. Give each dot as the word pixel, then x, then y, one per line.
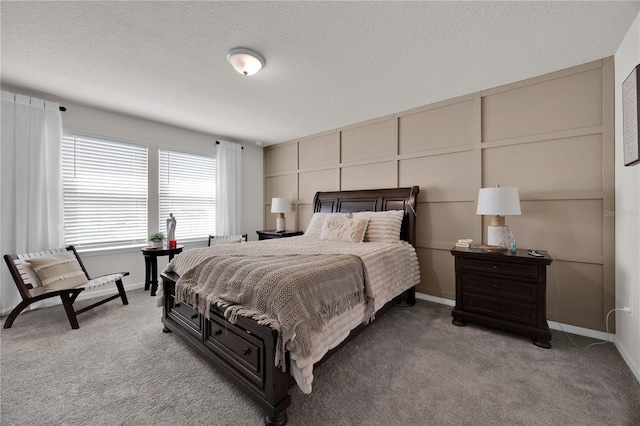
pixel 154 276
pixel 147 272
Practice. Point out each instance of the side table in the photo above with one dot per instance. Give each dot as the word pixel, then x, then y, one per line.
pixel 151 264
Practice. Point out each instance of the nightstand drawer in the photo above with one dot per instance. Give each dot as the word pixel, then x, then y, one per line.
pixel 512 290
pixel 496 267
pixel 509 311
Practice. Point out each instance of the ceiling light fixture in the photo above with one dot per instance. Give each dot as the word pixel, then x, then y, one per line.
pixel 245 61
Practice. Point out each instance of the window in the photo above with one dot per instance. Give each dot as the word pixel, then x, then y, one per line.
pixel 105 192
pixel 187 188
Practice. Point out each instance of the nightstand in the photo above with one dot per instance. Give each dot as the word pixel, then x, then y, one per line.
pixel 503 290
pixel 270 234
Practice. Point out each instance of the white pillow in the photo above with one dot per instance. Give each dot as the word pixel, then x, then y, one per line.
pixel 59 272
pixel 344 229
pixel 383 226
pixel 314 229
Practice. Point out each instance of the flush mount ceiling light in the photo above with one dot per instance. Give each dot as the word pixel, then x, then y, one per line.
pixel 245 61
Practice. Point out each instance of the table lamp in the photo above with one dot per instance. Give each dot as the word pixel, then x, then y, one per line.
pixel 498 202
pixel 280 206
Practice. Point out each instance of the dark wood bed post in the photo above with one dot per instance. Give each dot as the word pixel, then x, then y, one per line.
pixel 245 352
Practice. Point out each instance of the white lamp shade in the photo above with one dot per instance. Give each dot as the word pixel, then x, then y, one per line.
pixel 245 61
pixel 280 205
pixel 499 201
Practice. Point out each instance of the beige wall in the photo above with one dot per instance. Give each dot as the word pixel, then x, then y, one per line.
pixel 551 136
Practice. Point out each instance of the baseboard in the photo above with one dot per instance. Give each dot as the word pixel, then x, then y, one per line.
pixel 435 299
pixel 580 331
pixel 600 335
pixel 623 353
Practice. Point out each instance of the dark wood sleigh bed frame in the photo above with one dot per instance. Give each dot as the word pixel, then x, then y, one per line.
pixel 245 351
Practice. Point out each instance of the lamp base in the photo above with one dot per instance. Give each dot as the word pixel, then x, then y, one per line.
pixel 498 236
pixel 281 224
pixel 497 221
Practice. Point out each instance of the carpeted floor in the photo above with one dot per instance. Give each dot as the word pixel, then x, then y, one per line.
pixel 411 367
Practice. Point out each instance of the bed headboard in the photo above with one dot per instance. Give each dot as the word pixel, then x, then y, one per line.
pixel 374 200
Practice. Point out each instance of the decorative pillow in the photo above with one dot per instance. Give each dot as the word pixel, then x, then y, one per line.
pixel 59 272
pixel 344 229
pixel 383 226
pixel 314 229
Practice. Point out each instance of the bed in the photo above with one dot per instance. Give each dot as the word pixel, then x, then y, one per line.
pixel 265 357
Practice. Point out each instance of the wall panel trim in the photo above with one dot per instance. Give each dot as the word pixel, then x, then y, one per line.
pixel 563 134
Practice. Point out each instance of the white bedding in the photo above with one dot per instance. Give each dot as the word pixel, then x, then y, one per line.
pixel 391 268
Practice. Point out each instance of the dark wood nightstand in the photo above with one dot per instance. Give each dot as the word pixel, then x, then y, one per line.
pixel 269 234
pixel 503 290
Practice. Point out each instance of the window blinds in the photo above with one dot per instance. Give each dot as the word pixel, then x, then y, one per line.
pixel 105 192
pixel 187 188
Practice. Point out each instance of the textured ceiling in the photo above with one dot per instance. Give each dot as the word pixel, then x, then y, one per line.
pixel 328 64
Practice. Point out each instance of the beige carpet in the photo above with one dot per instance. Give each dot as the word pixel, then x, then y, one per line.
pixel 411 367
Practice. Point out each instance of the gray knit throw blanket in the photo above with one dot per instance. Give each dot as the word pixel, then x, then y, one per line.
pixel 291 294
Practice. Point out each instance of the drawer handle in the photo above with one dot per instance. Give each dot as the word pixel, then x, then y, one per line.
pixel 217 333
pixel 194 316
pixel 496 308
pixel 496 267
pixel 496 286
pixel 246 351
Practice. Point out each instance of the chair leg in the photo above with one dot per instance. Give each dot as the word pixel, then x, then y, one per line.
pixel 16 311
pixel 68 307
pixel 123 295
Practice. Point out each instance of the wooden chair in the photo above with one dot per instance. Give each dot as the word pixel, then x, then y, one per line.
pixel 32 290
pixel 223 239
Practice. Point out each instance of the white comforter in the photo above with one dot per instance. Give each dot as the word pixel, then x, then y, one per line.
pixel 391 268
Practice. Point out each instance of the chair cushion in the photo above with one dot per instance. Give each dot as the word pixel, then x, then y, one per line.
pixel 59 272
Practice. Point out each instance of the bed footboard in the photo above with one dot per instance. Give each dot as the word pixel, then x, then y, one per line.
pixel 244 352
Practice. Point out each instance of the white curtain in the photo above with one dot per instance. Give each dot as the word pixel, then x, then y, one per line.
pixel 31 206
pixel 228 188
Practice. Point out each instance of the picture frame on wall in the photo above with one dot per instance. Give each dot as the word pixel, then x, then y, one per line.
pixel 631 117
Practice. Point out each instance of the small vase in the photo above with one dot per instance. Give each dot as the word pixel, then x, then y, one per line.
pixel 156 244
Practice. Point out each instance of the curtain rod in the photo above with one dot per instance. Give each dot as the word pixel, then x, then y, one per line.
pixel 218 143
